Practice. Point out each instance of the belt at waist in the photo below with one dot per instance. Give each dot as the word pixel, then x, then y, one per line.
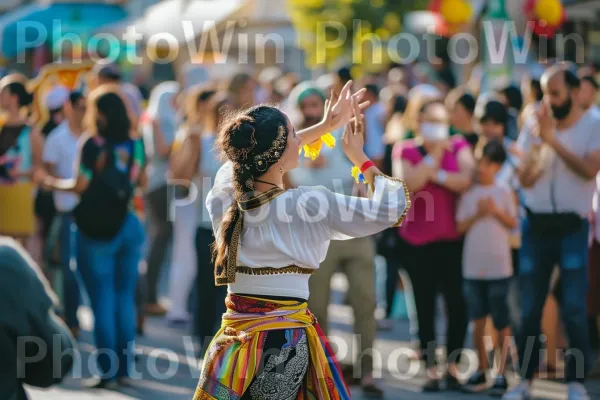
pixel 290 269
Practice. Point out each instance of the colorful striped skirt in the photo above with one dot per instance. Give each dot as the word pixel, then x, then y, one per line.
pixel 270 349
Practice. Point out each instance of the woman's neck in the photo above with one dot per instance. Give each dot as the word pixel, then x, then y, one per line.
pixel 465 127
pixel 268 181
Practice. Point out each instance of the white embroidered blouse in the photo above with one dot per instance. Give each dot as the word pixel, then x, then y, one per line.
pixel 295 228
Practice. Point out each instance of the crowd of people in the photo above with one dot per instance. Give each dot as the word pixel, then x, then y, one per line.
pixel 503 224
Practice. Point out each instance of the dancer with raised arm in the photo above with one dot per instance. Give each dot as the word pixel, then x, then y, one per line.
pixel 268 243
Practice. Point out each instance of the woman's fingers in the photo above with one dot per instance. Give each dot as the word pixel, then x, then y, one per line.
pixel 345 135
pixel 346 90
pixel 359 95
pixel 364 104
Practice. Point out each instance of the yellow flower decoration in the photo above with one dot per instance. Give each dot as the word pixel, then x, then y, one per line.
pixel 312 150
pixel 358 175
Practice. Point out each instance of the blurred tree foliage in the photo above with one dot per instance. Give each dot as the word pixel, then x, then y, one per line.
pixel 331 31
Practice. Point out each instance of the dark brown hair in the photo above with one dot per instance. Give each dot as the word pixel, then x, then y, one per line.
pixel 245 140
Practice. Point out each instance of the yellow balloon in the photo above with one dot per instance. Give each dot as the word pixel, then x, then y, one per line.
pixel 456 11
pixel 549 10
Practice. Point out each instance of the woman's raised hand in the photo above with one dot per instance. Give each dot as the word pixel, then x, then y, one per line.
pixel 353 140
pixel 340 113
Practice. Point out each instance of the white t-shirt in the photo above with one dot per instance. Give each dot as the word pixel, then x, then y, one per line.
pixel 558 184
pixel 60 149
pixel 486 253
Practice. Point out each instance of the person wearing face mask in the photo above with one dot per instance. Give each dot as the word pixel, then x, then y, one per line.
pixel 436 168
pixel 557 172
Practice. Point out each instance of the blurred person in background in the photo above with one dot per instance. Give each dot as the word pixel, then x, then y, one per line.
pixel 107 74
pixel 374 125
pixel 242 90
pixel 442 75
pixel 486 214
pixel 588 93
pixel 26 311
pixel 19 150
pixel 326 83
pixel 461 106
pixel 437 169
pixel 268 92
pixel 45 209
pixel 60 150
pixel 355 257
pixel 109 234
pixel 159 128
pixel 196 161
pixel 560 162
pixel 398 78
pixel 512 99
pixel 342 76
pixel 183 261
pixel 387 242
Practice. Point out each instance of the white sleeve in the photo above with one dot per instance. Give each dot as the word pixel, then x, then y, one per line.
pixel 221 196
pixel 348 217
pixel 51 149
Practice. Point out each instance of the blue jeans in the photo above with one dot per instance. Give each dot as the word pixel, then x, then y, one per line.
pixel 539 255
pixel 110 270
pixel 71 289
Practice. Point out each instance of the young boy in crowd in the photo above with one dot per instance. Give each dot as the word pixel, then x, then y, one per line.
pixel 487 214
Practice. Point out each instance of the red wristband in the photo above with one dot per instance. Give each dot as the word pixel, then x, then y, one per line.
pixel 368 164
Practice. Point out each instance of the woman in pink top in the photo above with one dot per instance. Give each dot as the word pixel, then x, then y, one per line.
pixel 436 169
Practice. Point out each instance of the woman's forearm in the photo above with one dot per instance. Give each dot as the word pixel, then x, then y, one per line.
pixel 457 182
pixel 312 133
pixel 417 177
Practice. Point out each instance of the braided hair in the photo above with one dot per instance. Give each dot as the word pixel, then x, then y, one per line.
pixel 253 140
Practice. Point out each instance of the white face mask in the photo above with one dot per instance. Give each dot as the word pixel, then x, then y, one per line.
pixel 434 131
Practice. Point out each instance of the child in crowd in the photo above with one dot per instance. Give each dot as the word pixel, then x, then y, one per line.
pixel 486 214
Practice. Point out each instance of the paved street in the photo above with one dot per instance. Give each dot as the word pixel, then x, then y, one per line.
pixel 172 374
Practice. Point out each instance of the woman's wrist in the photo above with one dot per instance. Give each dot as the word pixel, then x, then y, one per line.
pixel 359 159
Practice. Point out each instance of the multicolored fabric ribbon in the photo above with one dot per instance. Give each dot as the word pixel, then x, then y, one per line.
pixel 233 356
pixel 312 150
pixel 358 175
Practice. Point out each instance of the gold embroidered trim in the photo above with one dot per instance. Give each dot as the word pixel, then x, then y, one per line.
pixel 406 197
pixel 290 269
pixel 260 200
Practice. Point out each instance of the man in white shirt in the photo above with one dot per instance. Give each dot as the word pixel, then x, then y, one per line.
pixel 60 151
pixel 558 175
pixel 356 256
